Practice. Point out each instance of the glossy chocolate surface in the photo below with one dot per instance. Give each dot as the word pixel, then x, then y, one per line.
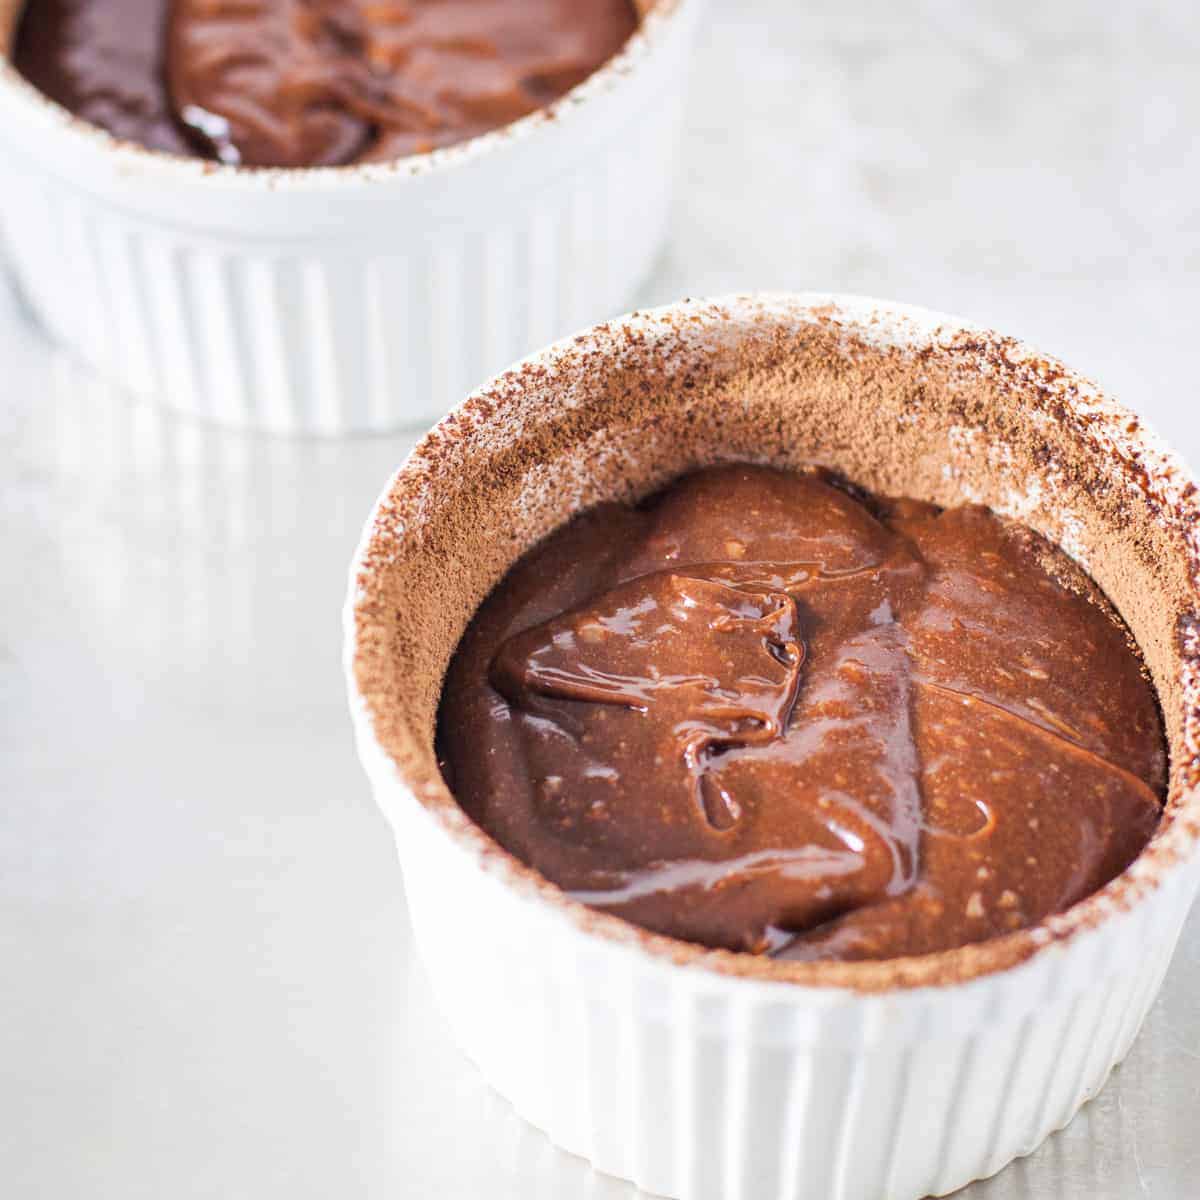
pixel 764 712
pixel 295 83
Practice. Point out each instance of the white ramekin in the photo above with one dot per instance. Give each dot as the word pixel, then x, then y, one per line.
pixel 342 299
pixel 701 1074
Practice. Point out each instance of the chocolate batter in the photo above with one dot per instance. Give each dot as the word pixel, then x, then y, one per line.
pixel 765 712
pixel 295 83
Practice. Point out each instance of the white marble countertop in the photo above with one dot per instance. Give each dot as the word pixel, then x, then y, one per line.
pixel 208 986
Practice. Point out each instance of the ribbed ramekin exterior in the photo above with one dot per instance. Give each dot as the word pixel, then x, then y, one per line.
pixel 380 321
pixel 702 1086
pixel 698 1084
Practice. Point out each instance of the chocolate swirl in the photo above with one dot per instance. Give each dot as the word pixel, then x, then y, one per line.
pixel 302 83
pixel 763 713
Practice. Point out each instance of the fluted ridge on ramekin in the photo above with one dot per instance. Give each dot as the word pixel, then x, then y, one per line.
pixel 710 1087
pixel 336 338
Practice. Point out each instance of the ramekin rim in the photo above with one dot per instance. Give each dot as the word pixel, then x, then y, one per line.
pixel 1174 843
pixel 161 166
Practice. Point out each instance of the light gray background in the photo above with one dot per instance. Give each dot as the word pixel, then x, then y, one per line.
pixel 207 985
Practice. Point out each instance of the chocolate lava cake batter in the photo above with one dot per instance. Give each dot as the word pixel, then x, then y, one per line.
pixel 766 712
pixel 305 83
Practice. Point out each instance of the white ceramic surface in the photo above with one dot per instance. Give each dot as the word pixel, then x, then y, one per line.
pixel 704 1086
pixel 344 299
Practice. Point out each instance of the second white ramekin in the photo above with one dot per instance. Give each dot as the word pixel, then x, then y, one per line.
pixel 710 1076
pixel 344 299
